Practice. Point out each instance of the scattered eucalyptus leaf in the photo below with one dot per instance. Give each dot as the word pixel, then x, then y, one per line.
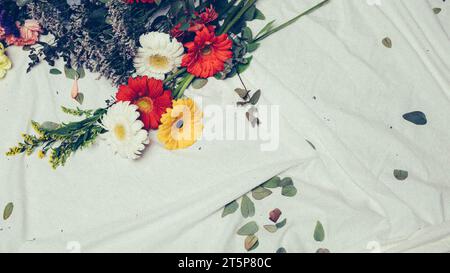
pixel 247 207
pixel 281 250
pixel 255 97
pixel 289 191
pixel 310 143
pixel 319 232
pixel 281 224
pixel 437 10
pixel 70 73
pixel 416 117
pixel 230 208
pixel 242 93
pixel 323 250
pixel 8 211
pixel 248 229
pixel 251 242
pixel 55 71
pixel 400 175
pixel 260 193
pixel 252 47
pixel 80 98
pixel 387 42
pixel 272 183
pixel 271 228
pixel 199 83
pixel 81 73
pixel 287 181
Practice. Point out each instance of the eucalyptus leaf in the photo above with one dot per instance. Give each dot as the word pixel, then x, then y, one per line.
pixel 230 208
pixel 251 242
pixel 387 42
pixel 70 73
pixel 55 71
pixel 255 97
pixel 400 175
pixel 81 73
pixel 241 92
pixel 199 83
pixel 260 193
pixel 272 183
pixel 80 98
pixel 281 224
pixel 248 229
pixel 271 228
pixel 289 191
pixel 247 207
pixel 287 181
pixel 8 211
pixel 319 232
pixel 416 117
pixel 281 250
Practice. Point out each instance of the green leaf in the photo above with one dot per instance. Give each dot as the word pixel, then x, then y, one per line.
pixel 260 193
pixel 81 73
pixel 49 126
pixel 251 242
pixel 266 28
pixel 281 250
pixel 387 42
pixel 255 97
pixel 289 191
pixel 55 71
pixel 281 224
pixel 8 211
pixel 400 175
pixel 248 229
pixel 247 34
pixel 259 15
pixel 252 47
pixel 271 228
pixel 80 98
pixel 241 92
pixel 70 73
pixel 287 181
pixel 319 232
pixel 230 208
pixel 199 83
pixel 242 67
pixel 272 183
pixel 247 207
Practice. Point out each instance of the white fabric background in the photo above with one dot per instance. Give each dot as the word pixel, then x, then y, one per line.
pixel 171 201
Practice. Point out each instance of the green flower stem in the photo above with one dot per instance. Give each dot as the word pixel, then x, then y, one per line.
pixel 293 20
pixel 248 5
pixel 174 75
pixel 185 84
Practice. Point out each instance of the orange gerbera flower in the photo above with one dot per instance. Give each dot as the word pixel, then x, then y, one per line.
pixel 149 96
pixel 207 54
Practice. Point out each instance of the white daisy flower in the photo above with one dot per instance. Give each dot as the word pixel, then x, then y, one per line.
pixel 124 133
pixel 158 55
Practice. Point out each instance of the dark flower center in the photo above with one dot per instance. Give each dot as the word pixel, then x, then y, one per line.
pixel 206 50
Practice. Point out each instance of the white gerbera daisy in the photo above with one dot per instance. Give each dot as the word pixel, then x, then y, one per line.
pixel 124 133
pixel 158 55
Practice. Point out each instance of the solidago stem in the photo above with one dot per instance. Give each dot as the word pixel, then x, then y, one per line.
pixel 174 75
pixel 293 20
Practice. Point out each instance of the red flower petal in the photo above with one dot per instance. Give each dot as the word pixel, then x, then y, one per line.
pixel 155 88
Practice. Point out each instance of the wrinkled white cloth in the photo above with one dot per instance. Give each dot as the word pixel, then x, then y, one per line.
pixel 336 85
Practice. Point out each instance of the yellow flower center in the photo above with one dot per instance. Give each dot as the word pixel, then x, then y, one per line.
pixel 145 104
pixel 120 132
pixel 158 61
pixel 206 50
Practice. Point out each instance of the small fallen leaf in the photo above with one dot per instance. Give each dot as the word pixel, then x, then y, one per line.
pixel 281 250
pixel 248 229
pixel 437 10
pixel 55 71
pixel 199 83
pixel 251 242
pixel 416 117
pixel 8 211
pixel 287 181
pixel 230 208
pixel 387 42
pixel 289 191
pixel 281 224
pixel 80 98
pixel 247 207
pixel 323 250
pixel 260 193
pixel 272 183
pixel 271 228
pixel 319 232
pixel 400 175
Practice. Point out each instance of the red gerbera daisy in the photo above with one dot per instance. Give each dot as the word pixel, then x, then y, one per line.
pixel 149 96
pixel 207 54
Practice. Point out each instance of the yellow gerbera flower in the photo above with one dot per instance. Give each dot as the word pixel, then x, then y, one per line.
pixel 181 126
pixel 5 62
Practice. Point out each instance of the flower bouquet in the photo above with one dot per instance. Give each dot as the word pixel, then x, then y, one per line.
pixel 153 50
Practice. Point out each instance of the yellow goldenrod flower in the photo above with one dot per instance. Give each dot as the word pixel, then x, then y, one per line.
pixel 41 154
pixel 181 126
